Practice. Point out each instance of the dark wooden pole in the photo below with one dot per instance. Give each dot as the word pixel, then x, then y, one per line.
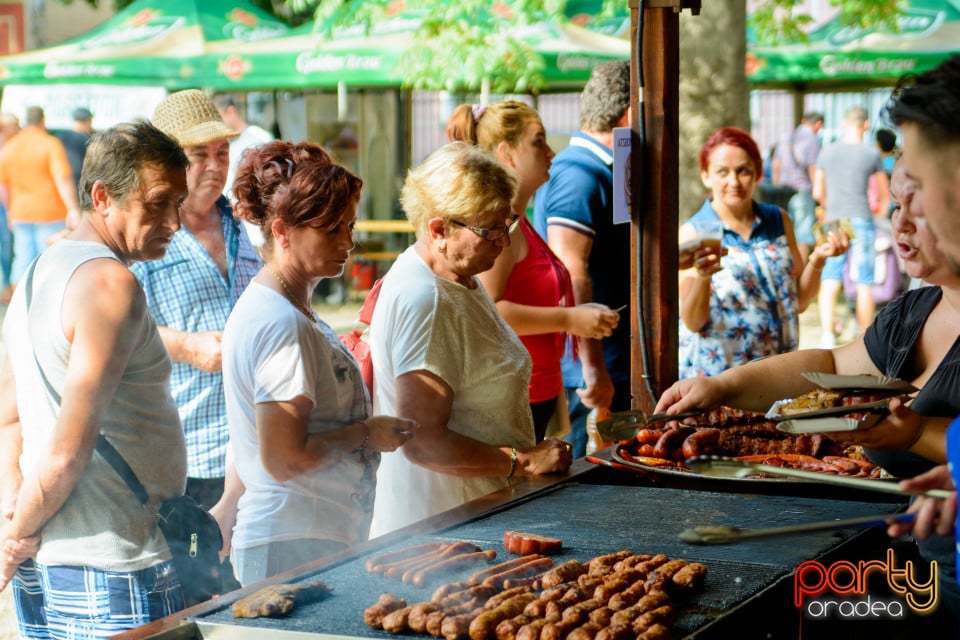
pixel 654 213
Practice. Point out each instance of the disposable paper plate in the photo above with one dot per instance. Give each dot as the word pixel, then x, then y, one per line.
pixel 828 425
pixel 877 406
pixel 835 381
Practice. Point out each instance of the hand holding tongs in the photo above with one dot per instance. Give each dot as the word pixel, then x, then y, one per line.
pixel 624 425
pixel 731 535
pixel 732 468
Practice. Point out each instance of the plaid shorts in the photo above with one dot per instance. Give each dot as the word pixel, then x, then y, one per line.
pixel 58 602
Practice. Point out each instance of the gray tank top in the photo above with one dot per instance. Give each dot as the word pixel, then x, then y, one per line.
pixel 102 524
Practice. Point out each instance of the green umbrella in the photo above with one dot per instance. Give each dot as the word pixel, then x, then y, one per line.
pixel 544 55
pixel 150 43
pixel 929 32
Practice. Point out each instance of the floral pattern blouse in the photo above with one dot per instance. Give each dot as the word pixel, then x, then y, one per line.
pixel 754 308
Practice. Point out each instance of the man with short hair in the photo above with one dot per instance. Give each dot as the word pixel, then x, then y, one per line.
pixel 37 188
pixel 841 181
pixel 794 165
pixel 574 212
pixel 250 136
pixel 84 359
pixel 192 289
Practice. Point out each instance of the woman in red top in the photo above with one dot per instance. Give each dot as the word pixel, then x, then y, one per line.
pixel 528 283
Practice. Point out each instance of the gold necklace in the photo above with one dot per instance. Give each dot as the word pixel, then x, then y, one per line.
pixel 302 308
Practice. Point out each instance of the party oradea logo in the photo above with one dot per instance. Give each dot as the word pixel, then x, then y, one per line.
pixel 865 590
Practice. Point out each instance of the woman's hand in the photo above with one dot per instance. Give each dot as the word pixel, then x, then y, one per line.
pixel 704 259
pixel 933 515
pixel 897 432
pixel 592 320
pixel 836 244
pixel 550 456
pixel 388 433
pixel 688 394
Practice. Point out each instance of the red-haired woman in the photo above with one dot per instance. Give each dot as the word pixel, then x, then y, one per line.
pixel 743 302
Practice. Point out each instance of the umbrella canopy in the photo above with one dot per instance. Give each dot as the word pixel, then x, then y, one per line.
pixel 158 43
pixel 562 54
pixel 929 32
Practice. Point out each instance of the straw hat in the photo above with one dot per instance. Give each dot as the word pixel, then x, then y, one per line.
pixel 191 118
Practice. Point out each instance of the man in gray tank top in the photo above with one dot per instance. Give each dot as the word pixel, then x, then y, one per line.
pixel 84 358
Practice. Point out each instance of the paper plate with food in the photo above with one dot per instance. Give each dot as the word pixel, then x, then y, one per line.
pixel 840 403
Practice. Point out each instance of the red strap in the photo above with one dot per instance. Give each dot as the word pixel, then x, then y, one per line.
pixel 370 303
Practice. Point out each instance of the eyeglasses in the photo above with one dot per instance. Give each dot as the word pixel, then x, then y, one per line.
pixel 490 233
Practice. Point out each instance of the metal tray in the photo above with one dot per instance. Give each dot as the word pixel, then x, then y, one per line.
pixel 689 473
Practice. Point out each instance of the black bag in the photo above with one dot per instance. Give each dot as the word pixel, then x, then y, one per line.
pixel 194 538
pixel 192 534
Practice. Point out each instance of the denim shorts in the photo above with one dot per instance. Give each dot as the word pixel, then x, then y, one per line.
pixel 862 254
pixel 82 603
pixel 802 210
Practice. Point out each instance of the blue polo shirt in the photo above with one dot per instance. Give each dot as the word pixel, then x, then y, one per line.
pixel 579 196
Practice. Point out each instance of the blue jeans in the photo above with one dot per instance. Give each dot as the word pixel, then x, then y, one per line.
pixel 862 255
pixel 29 241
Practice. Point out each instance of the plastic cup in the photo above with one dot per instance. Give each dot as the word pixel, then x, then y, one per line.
pixel 710 234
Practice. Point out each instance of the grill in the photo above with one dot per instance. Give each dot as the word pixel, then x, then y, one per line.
pixel 593 520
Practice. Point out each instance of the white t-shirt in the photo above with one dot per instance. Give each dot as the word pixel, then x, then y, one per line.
pixel 249 137
pixel 271 353
pixel 426 323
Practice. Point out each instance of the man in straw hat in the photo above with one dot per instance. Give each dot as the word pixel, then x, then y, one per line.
pixel 84 358
pixel 192 289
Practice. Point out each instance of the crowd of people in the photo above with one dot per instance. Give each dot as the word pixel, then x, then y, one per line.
pixel 157 324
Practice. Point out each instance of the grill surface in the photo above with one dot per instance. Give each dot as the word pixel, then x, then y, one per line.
pixel 597 519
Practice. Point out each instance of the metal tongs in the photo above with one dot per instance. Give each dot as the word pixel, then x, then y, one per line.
pixel 732 535
pixel 725 467
pixel 624 425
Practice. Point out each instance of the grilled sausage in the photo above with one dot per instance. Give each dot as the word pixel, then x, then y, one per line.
pixel 401 554
pixel 397 569
pixel 586 631
pixel 507 629
pixel 449 588
pixel 448 565
pixel 483 626
pixel 602 564
pixel 661 615
pixel 616 632
pixel 689 577
pixel 396 621
pixel 455 549
pixel 669 444
pixel 533 567
pixel 533 630
pixel 569 570
pixel 386 603
pixel 455 627
pixel 483 574
pixel 417 618
pixel 700 442
pixel 655 632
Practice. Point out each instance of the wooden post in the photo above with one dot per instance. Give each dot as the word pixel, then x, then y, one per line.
pixel 655 216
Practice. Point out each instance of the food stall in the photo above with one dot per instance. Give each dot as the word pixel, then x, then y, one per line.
pixel 748 591
pixel 611 502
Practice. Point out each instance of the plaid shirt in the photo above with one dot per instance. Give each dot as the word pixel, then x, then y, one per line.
pixel 797 153
pixel 186 292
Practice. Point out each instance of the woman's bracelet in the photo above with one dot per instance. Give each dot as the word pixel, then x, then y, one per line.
pixel 811 263
pixel 513 462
